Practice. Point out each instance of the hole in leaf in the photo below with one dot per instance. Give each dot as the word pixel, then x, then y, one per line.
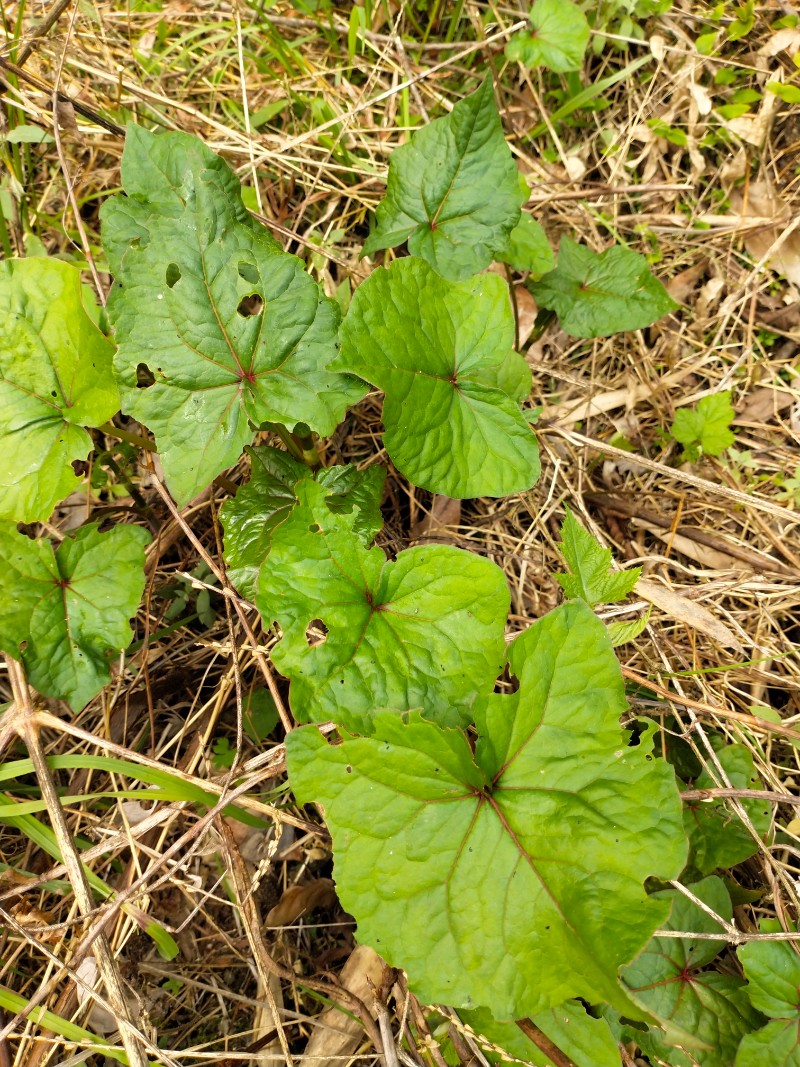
pixel 250 305
pixel 507 683
pixel 144 377
pixel 53 392
pixel 316 633
pixel 173 274
pixel 315 528
pixel 249 273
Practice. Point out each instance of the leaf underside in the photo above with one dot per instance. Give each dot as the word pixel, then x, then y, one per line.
pixel 230 331
pixel 426 629
pixel 595 295
pixel 55 378
pixel 442 352
pixel 67 612
pixel 453 190
pixel 511 878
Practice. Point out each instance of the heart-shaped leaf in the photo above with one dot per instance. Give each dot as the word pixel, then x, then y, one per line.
pixel 711 1009
pixel 66 613
pixel 527 248
pixel 424 630
pixel 251 516
pixel 55 378
pixel 442 352
pixel 218 330
pixel 596 295
pixel 453 191
pixel 511 878
pixel 558 39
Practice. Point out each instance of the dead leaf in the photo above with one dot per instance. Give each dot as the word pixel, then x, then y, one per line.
pixel 687 611
pixel 706 556
pixel 684 284
pixel 526 313
pixel 754 129
pixel 776 243
pixel 431 528
pixel 785 40
pixel 336 1036
pixel 763 404
pixel 298 900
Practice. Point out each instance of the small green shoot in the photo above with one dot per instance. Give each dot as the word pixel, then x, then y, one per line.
pixel 558 39
pixel 705 428
pixel 590 574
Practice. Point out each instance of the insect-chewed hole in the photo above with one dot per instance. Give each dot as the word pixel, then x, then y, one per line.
pixel 144 377
pixel 173 274
pixel 248 273
pixel 315 528
pixel 507 683
pixel 250 305
pixel 316 633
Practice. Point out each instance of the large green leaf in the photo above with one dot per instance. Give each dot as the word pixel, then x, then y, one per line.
pixel 55 378
pixel 587 1041
pixel 717 837
pixel 424 630
pixel 453 190
pixel 772 969
pixel 230 330
pixel 511 878
pixel 249 518
pixel 596 295
pixel 558 39
pixel 65 614
pixel 710 1009
pixel 442 352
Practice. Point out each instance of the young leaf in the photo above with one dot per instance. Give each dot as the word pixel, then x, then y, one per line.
pixel 717 837
pixel 249 518
pixel 707 425
pixel 559 38
pixel 442 352
pixel 587 1041
pixel 512 878
pixel 453 190
pixel 226 330
pixel 66 613
pixel 55 378
pixel 425 630
pixel 597 295
pixel 710 1010
pixel 527 248
pixel 772 969
pixel 591 577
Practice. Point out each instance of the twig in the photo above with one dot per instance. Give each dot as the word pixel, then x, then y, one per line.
pixel 543 1042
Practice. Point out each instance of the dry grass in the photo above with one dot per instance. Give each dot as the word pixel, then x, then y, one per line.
pixel 721 536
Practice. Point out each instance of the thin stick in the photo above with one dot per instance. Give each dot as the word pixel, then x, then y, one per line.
pixel 543 1042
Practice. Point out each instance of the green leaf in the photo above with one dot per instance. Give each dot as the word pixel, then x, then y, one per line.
pixel 27 135
pixel 66 613
pixel 717 837
pixel 527 248
pixel 591 577
pixel 453 190
pixel 772 969
pixel 707 425
pixel 559 38
pixel 55 378
pixel 620 633
pixel 776 1045
pixel 231 331
pixel 424 630
pixel 512 878
pixel 587 1041
pixel 596 295
pixel 442 352
pixel 249 518
pixel 709 1009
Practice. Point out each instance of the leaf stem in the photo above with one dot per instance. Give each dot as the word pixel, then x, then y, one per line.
pixel 301 446
pixel 125 435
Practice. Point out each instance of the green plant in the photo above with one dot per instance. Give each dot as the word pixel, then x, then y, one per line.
pixel 433 776
pixel 706 427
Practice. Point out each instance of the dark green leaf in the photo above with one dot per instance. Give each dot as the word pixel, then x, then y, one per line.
pixel 442 352
pixel 527 248
pixel 592 578
pixel 66 613
pixel 597 295
pixel 709 1012
pixel 425 630
pixel 511 878
pixel 772 969
pixel 249 518
pixel 231 330
pixel 558 40
pixel 717 836
pixel 453 190
pixel 55 378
